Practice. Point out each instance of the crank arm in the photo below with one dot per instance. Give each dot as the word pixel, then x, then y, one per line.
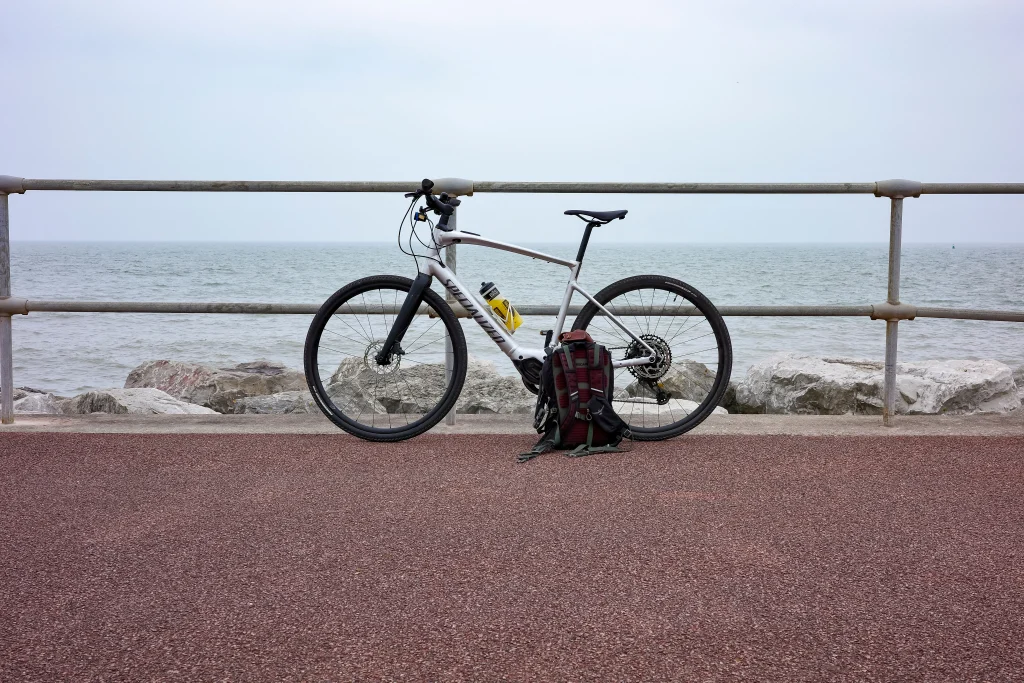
pixel 632 361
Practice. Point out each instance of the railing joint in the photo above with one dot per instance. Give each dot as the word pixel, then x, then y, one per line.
pixel 897 311
pixel 897 188
pixel 12 305
pixel 11 185
pixel 453 186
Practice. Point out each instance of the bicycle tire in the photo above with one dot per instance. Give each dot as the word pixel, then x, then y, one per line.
pixel 621 289
pixel 326 402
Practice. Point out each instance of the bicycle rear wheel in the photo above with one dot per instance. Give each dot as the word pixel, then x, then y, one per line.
pixel 390 402
pixel 694 353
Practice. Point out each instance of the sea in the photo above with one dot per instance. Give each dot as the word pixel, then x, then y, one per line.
pixel 73 352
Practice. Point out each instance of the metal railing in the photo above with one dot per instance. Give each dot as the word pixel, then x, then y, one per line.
pixel 891 310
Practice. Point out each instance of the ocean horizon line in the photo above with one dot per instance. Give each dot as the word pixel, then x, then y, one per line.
pixel 532 242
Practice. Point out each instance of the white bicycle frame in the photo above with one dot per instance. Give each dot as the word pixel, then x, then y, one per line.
pixel 480 311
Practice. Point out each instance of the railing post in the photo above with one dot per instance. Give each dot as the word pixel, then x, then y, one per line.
pixel 449 358
pixel 892 297
pixel 6 346
pixel 895 190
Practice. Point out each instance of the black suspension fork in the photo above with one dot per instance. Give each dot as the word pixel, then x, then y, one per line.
pixel 404 319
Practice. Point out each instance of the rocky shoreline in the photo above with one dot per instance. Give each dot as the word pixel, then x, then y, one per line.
pixel 781 384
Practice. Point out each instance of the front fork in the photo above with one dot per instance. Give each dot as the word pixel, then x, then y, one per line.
pixel 393 343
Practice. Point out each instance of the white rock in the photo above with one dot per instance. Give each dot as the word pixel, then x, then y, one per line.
pixel 38 404
pixel 1018 379
pixel 217 388
pixel 418 388
pixel 686 379
pixel 146 401
pixel 788 383
pixel 286 402
pixel 356 387
pixel 22 392
pixel 487 391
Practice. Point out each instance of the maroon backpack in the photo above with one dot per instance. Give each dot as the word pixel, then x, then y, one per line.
pixel 574 409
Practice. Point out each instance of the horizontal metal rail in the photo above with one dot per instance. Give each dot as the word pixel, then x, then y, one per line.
pixel 17 185
pixel 971 314
pixel 57 306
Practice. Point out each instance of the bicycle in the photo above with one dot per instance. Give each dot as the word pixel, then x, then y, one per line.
pixel 382 372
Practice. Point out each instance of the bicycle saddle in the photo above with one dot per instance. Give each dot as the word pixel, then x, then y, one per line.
pixel 598 216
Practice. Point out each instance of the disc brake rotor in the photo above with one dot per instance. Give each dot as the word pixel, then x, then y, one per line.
pixel 370 360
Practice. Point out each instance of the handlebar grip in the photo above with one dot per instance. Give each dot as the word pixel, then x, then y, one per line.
pixel 427 185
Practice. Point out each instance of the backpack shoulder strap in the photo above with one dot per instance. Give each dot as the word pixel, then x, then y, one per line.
pixel 572 391
pixel 598 380
pixel 546 443
pixel 569 367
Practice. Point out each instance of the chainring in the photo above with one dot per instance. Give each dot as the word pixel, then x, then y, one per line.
pixel 650 372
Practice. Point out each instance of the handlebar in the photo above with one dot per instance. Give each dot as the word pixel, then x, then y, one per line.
pixel 443 205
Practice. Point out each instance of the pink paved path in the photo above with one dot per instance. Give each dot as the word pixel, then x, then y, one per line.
pixel 259 557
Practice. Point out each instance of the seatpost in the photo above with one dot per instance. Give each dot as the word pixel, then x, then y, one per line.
pixel 583 244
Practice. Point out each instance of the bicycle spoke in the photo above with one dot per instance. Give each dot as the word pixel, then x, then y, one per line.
pixel 663 304
pixel 358 322
pixel 425 344
pixel 340 317
pixel 710 348
pixel 631 311
pixel 408 390
pixel 387 328
pixel 707 334
pixel 369 318
pixel 414 362
pixel 613 330
pixel 424 332
pixel 342 336
pixel 385 378
pixel 673 337
pixel 681 325
pixel 344 353
pixel 647 317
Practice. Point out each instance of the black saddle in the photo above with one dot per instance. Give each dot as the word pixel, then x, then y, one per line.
pixel 600 217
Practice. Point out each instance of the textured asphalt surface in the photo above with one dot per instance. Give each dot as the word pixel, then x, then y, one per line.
pixel 320 557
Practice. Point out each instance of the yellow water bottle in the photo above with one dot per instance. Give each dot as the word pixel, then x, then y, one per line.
pixel 500 306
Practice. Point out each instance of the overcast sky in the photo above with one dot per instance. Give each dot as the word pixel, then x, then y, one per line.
pixel 600 91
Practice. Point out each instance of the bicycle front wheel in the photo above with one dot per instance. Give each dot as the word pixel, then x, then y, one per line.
pixel 390 402
pixel 693 353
